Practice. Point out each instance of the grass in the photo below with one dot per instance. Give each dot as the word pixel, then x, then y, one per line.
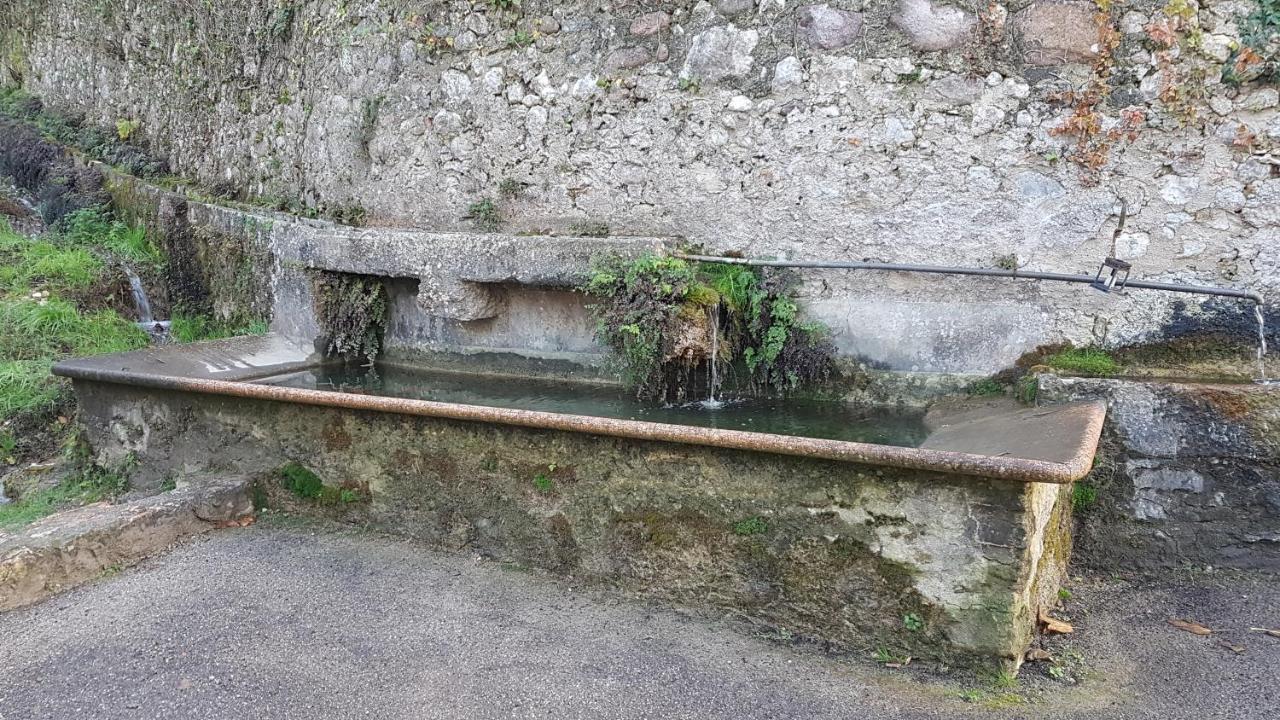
pixel 193 328
pixel 91 485
pixel 46 287
pixel 544 484
pixel 1089 361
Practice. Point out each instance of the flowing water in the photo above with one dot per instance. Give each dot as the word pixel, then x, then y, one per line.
pixel 140 301
pixel 805 418
pixel 711 403
pixel 1262 344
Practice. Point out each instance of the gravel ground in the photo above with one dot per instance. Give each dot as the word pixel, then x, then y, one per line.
pixel 281 621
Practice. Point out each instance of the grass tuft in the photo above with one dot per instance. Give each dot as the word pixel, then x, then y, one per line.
pixel 1090 361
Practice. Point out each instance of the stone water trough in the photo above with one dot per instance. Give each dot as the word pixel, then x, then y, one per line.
pixel 949 549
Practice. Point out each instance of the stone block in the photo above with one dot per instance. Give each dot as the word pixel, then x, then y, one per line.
pixel 827 28
pixel 931 27
pixel 1056 32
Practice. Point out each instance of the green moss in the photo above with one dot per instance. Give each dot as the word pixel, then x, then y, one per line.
pixel 1083 496
pixel 751 526
pixel 301 481
pixel 1089 361
pixel 352 313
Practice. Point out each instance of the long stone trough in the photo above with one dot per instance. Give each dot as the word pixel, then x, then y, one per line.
pixel 948 550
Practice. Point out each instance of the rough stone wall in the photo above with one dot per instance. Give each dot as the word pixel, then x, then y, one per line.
pixel 895 130
pixel 1191 477
pixel 836 551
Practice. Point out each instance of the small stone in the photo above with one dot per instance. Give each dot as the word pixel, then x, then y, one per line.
pixel 931 28
pixel 456 86
pixel 734 8
pixel 896 132
pixel 1217 47
pixel 788 73
pixel 1033 187
pixel 585 87
pixel 1259 100
pixel 547 25
pixel 663 54
pixel 1133 23
pixel 530 100
pixel 536 121
pixel 627 58
pixel 827 28
pixel 478 24
pixel 447 123
pixel 1055 32
pixel 720 53
pixel 994 79
pixel 740 103
pixel 515 93
pixel 898 66
pixel 650 23
pixel 1178 190
pixel 493 79
pixel 954 90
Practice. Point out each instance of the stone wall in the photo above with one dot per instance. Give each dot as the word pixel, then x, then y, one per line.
pixel 959 133
pixel 861 557
pixel 1191 476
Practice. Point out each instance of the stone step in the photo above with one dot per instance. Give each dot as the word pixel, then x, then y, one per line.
pixel 79 545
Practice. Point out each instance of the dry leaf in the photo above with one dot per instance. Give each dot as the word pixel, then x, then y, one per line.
pixel 895 665
pixel 1237 649
pixel 1273 632
pixel 1054 625
pixel 1038 655
pixel 1194 628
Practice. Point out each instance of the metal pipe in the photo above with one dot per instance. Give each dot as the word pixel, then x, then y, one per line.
pixel 980 272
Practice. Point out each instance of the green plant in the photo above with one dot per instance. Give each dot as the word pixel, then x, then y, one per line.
pixel 510 188
pixel 1002 679
pixel 689 84
pixel 985 386
pixel 913 622
pixel 1026 389
pixel 1083 496
pixel 301 481
pixel 347 495
pixel 543 484
pixel 1057 672
pixel 1258 57
pixel 485 215
pixel 126 128
pixel 659 314
pixel 1090 361
pixel 505 4
pixel 352 314
pixel 1006 262
pixel 185 328
pixel 1064 594
pixel 521 38
pixel 885 656
pixel 751 526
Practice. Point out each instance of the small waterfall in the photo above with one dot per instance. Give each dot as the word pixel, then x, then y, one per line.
pixel 711 402
pixel 1262 344
pixel 140 301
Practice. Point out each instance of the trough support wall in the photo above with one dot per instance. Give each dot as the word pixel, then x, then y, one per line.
pixel 850 554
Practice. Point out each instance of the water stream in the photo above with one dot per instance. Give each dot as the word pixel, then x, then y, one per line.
pixel 140 301
pixel 711 403
pixel 1262 344
pixel 834 420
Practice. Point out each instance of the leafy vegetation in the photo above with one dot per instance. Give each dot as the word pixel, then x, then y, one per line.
pixel 1258 57
pixel 352 313
pixel 485 215
pixel 1083 496
pixel 665 318
pixel 751 526
pixel 304 483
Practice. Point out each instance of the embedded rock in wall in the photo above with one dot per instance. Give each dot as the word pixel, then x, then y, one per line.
pixel 720 53
pixel 933 27
pixel 827 28
pixel 1059 31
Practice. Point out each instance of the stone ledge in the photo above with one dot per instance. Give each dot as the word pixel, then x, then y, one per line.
pixel 76 546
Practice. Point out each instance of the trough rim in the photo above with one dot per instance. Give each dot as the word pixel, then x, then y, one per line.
pixel 952 462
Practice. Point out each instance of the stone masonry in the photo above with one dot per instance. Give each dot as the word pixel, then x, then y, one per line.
pixel 892 130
